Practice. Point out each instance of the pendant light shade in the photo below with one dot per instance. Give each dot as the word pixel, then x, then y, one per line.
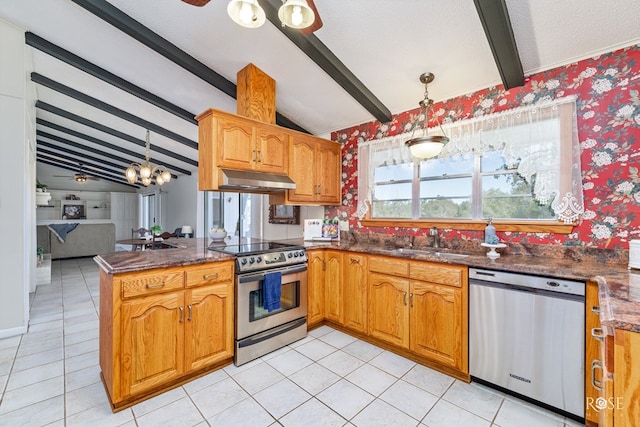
pixel 247 13
pixel 422 144
pixel 296 14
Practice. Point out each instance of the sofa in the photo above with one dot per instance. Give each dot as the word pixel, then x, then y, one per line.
pixel 84 240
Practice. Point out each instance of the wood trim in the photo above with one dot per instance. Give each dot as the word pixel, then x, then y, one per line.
pixel 479 225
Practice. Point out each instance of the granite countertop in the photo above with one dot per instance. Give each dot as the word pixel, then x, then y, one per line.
pixel 619 288
pixel 184 252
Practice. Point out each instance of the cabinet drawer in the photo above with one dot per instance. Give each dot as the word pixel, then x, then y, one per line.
pixel 213 273
pixel 436 273
pixel 392 266
pixel 151 283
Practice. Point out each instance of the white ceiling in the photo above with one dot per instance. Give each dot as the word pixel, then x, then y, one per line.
pixel 386 44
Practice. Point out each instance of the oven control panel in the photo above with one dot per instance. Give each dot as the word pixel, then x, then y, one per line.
pixel 266 260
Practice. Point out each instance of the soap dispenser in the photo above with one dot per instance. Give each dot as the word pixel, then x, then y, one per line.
pixel 490 236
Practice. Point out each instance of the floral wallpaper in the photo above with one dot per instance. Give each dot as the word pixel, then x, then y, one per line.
pixel 608 107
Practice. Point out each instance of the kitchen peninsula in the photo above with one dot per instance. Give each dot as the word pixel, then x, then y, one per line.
pixel 152 286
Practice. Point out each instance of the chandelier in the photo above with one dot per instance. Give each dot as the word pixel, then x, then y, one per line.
pixel 147 171
pixel 292 13
pixel 421 144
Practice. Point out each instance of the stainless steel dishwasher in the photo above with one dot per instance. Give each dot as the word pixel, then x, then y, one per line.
pixel 526 336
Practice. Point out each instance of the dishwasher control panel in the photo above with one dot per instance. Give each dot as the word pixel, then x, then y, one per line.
pixel 552 284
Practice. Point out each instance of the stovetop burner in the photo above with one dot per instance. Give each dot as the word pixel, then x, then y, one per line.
pixel 254 248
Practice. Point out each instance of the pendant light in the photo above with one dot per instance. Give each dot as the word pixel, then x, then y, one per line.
pixel 421 144
pixel 296 14
pixel 147 170
pixel 247 13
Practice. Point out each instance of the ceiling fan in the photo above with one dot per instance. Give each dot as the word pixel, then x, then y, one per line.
pixel 79 177
pixel 315 25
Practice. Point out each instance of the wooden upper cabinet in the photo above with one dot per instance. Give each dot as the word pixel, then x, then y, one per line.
pixel 315 167
pixel 272 150
pixel 236 142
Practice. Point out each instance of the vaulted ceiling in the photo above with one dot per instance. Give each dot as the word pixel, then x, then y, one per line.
pixel 105 72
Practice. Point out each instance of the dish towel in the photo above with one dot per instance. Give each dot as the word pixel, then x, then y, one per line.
pixel 61 230
pixel 272 289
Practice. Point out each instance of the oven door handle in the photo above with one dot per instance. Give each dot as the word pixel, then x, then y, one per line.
pixel 257 277
pixel 276 331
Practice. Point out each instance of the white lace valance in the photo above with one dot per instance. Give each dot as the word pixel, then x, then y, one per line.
pixel 542 140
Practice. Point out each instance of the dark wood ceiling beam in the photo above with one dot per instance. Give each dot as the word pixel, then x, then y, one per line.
pixel 114 16
pixel 75 61
pixel 67 166
pixel 108 108
pixel 88 149
pixel 97 141
pixel 497 27
pixel 78 159
pixel 329 62
pixel 102 128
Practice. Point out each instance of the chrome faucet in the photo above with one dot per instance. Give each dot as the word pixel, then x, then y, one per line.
pixel 433 232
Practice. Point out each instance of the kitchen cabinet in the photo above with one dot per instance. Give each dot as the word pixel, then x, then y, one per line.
pixel 244 144
pixel 420 306
pixel 160 327
pixel 388 314
pixel 229 141
pixel 315 167
pixel 355 291
pixel 594 375
pixel 315 287
pixel 333 296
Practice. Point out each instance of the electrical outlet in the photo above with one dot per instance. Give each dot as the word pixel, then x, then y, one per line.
pixel 344 225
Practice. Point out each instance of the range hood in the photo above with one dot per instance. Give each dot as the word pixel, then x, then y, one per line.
pixel 236 180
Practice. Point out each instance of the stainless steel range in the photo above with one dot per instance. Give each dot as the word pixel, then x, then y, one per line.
pixel 259 331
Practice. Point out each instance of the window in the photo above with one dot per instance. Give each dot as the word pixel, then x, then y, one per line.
pixel 148 209
pixel 521 164
pixel 233 212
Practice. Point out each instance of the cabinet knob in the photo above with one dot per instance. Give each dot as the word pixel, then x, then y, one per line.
pixel 181 314
pixel 154 285
pixel 598 334
pixel 354 261
pixel 189 307
pixel 596 364
pixel 404 298
pixel 210 276
pixel 595 309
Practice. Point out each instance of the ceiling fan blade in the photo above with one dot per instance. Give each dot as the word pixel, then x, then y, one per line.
pixel 317 22
pixel 62 176
pixel 93 178
pixel 198 3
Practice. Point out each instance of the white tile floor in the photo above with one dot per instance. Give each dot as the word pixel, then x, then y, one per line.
pixel 50 376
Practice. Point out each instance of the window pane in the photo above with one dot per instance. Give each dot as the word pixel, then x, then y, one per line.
pixel 389 173
pixel 391 209
pixel 445 208
pixel 509 196
pixel 447 188
pixel 443 167
pixel 492 161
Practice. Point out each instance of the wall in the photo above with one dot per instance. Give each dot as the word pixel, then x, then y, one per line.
pixel 17 196
pixel 179 203
pixel 607 87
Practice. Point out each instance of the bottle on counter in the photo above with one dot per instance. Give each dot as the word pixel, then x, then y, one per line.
pixel 490 236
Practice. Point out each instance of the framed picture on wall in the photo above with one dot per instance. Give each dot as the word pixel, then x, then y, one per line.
pixel 284 214
pixel 73 212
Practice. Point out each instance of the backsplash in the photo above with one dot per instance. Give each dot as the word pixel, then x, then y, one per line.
pixel 608 105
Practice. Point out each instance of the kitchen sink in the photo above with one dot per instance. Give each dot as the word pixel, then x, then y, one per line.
pixel 433 252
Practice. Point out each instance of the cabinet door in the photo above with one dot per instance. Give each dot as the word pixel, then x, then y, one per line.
pixel 236 144
pixel 315 286
pixel 436 323
pixel 208 325
pixel 355 291
pixel 328 171
pixel 388 309
pixel 592 352
pixel 333 286
pixel 302 169
pixel 273 150
pixel 152 341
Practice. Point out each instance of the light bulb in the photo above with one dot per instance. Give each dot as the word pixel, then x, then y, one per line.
pixel 296 16
pixel 246 13
pixel 166 176
pixel 145 171
pixel 146 181
pixel 159 179
pixel 131 175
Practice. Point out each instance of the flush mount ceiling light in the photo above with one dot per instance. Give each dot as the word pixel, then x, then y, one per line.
pixel 421 144
pixel 147 171
pixel 296 14
pixel 247 13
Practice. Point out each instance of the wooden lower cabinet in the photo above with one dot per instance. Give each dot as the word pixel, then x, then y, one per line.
pixel 388 309
pixel 160 327
pixel 333 299
pixel 355 291
pixel 315 287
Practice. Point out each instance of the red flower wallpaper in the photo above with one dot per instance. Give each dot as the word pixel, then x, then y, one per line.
pixel 608 108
